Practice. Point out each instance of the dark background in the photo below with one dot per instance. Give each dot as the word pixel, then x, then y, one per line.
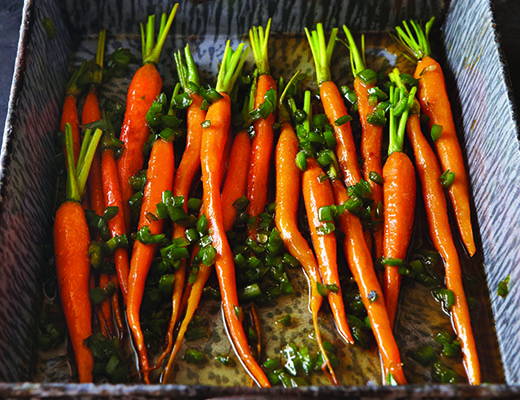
pixel 507 17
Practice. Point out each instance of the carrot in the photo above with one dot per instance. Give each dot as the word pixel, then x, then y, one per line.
pixel 440 233
pixel 159 178
pixel 146 85
pixel 213 142
pixel 360 262
pixel 236 179
pixel 317 193
pixel 71 249
pixel 188 167
pixel 358 254
pixel 371 132
pixel 288 181
pixel 399 196
pixel 69 112
pixel 92 113
pixel 262 146
pixel 112 197
pixel 435 103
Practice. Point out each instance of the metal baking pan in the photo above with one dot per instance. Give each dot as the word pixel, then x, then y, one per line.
pixel 477 78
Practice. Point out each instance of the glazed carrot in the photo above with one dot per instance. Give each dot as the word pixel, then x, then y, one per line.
pixel 159 178
pixel 399 196
pixel 288 181
pixel 262 146
pixel 236 178
pixel 91 113
pixel 146 85
pixel 188 167
pixel 440 233
pixel 71 249
pixel 69 112
pixel 358 254
pixel 435 103
pixel 213 142
pixel 113 198
pixel 371 133
pixel 318 194
pixel 333 103
pixel 360 262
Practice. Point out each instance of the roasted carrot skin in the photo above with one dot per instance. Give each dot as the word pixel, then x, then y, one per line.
pixel 71 244
pixel 440 233
pixel 235 183
pixel 146 85
pixel 159 178
pixel 213 143
pixel 261 151
pixel 371 144
pixel 399 211
pixel 112 197
pixel 318 193
pixel 435 103
pixel 361 265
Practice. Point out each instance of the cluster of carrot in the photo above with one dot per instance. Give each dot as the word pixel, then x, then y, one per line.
pixel 318 158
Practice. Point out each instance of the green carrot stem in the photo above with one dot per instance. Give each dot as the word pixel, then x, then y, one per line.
pixel 72 85
pixel 84 168
pixel 307 109
pixel 97 76
pixel 84 144
pixel 176 90
pixel 151 49
pixel 357 59
pixel 259 39
pixel 415 40
pixel 72 184
pixel 283 112
pixel 321 51
pixel 186 68
pixel 231 67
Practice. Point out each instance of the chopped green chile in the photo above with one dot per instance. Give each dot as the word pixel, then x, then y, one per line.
pixel 251 292
pixel 116 242
pixel 445 296
pixel 206 123
pixel 181 101
pixel 408 79
pixel 138 180
pixel 368 76
pixel 375 91
pixel 394 262
pixel 191 235
pixel 443 374
pixel 145 236
pixel 301 160
pixel 375 177
pixel 361 189
pixel 241 203
pixel 390 380
pixel 424 355
pixel 376 117
pixel 372 100
pixel 271 363
pixel 349 94
pixel 447 178
pixel 503 287
pixel 450 346
pixel 327 213
pixel 326 228
pixel 342 120
pixel 207 255
pixel 225 360
pixel 267 107
pixel 436 132
pixel 202 224
pixel 194 356
pixel 332 288
pixel 194 204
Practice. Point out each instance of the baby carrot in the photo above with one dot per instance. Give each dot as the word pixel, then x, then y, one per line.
pixel 435 103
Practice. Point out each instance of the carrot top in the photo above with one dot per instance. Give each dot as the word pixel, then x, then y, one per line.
pixel 400 104
pixel 357 58
pixel 259 39
pixel 321 50
pixel 73 85
pixel 77 174
pixel 97 74
pixel 186 69
pixel 231 67
pixel 288 92
pixel 415 41
pixel 150 48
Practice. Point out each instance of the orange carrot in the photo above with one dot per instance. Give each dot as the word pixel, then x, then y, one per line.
pixel 371 133
pixel 159 178
pixel 146 85
pixel 435 103
pixel 318 194
pixel 236 178
pixel 441 236
pixel 71 249
pixel 288 181
pixel 213 142
pixel 262 146
pixel 188 167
